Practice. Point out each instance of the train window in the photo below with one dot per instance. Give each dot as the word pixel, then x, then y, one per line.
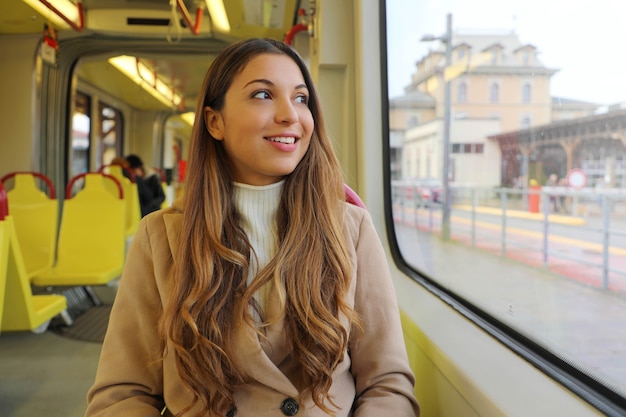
pixel 110 133
pixel 107 137
pixel 522 216
pixel 81 132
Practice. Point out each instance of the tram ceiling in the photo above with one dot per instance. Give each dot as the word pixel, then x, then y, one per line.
pixel 136 20
pixel 231 19
pixel 184 73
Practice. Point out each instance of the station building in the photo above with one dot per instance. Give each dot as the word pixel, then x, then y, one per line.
pixel 502 119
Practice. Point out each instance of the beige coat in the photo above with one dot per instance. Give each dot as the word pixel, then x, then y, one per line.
pixel 374 380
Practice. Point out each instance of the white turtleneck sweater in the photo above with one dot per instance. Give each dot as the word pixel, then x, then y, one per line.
pixel 257 206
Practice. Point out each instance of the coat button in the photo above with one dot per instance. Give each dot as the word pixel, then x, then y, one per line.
pixel 290 407
pixel 232 412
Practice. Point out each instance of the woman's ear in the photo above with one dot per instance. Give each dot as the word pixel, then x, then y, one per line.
pixel 214 123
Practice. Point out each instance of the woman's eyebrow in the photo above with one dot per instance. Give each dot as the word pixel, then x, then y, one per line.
pixel 271 84
pixel 260 80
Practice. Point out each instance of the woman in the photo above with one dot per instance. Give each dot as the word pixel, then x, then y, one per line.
pixel 262 293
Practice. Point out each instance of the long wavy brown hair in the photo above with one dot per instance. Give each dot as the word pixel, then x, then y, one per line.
pixel 210 298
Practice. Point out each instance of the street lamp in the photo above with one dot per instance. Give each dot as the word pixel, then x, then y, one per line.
pixel 445 214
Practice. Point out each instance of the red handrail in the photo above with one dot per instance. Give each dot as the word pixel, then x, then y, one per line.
pixel 68 189
pixel 51 190
pixel 4 203
pixel 81 16
pixel 194 27
pixel 300 27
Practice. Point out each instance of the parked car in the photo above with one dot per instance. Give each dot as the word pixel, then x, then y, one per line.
pixel 429 190
pixel 418 192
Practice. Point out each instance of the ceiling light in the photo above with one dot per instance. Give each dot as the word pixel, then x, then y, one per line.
pixel 218 15
pixel 141 74
pixel 65 7
pixel 189 117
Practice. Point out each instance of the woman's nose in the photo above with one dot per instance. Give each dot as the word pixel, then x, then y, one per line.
pixel 286 112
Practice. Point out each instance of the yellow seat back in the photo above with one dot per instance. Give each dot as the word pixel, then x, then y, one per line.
pixel 165 203
pixel 92 241
pixel 131 195
pixel 35 217
pixel 4 259
pixel 4 262
pixel 92 233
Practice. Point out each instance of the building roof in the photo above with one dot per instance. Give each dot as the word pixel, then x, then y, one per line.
pixel 563 100
pixel 412 99
pixel 609 124
pixel 480 42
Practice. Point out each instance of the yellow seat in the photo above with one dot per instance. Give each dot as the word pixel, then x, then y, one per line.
pixel 4 247
pixel 35 217
pixel 131 195
pixel 19 309
pixel 4 261
pixel 92 242
pixel 165 203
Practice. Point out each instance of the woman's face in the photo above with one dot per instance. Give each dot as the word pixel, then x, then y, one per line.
pixel 265 124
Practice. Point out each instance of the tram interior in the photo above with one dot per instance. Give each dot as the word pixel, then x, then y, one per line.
pixel 48 370
pixel 38 377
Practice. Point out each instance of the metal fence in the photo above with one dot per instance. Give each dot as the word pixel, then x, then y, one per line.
pixel 602 213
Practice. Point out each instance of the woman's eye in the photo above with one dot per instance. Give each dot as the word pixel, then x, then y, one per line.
pixel 263 94
pixel 301 98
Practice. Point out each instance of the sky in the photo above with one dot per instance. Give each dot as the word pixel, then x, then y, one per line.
pixel 584 39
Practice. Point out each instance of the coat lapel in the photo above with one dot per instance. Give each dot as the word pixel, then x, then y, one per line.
pixel 258 365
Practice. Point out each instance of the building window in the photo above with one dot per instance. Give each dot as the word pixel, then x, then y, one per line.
pixel 525 123
pixel 461 53
pixel 412 121
pixel 526 93
pixel 462 93
pixel 494 93
pixel 494 57
pixel 467 148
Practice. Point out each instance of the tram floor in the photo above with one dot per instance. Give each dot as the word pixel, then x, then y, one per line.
pixel 47 374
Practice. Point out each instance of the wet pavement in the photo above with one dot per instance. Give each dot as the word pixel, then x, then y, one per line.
pixel 561 303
